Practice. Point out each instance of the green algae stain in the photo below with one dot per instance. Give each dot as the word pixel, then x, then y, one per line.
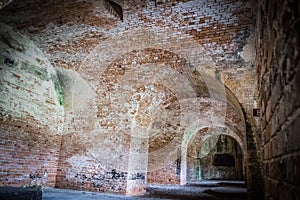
pixel 217 74
pixel 59 91
pixel 1 60
pixel 43 75
pixel 39 72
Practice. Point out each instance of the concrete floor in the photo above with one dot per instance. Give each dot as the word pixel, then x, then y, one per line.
pixel 206 190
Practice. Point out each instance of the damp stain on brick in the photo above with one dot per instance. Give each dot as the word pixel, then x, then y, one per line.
pixel 217 74
pixel 59 91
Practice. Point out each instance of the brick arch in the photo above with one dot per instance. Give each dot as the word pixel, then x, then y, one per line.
pixel 199 138
pixel 237 140
pixel 151 58
pixel 199 127
pixel 203 84
pixel 110 61
pixel 196 126
pixel 139 39
pixel 165 68
pixel 231 134
pixel 138 58
pixel 204 133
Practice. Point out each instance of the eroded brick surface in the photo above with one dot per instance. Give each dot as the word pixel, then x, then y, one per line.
pixel 278 77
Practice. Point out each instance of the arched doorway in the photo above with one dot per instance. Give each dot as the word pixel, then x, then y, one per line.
pixel 215 153
pixel 220 157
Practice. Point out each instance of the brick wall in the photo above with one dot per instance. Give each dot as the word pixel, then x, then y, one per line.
pixel 29 156
pixel 79 170
pixel 166 175
pixel 132 71
pixel 30 113
pixel 278 77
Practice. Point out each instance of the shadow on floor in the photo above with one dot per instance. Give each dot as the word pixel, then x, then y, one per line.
pixel 222 190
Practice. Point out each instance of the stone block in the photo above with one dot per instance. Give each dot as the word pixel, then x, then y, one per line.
pixel 293 170
pixel 293 136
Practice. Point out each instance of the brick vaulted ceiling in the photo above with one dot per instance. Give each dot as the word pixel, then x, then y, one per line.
pixel 110 47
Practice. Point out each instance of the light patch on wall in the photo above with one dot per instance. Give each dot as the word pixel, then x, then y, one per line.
pixel 27 89
pixel 248 53
pixel 78 163
pixel 76 91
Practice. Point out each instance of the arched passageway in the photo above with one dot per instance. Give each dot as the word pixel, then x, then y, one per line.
pixel 219 157
pixel 215 154
pixel 112 95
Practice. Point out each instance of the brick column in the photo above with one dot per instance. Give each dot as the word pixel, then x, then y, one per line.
pixel 137 166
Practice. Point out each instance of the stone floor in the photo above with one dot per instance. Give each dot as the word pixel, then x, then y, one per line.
pixel 210 190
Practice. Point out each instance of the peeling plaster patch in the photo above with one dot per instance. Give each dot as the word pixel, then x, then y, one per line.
pixel 248 53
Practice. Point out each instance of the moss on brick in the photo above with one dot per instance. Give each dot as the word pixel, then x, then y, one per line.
pixel 59 91
pixel 38 71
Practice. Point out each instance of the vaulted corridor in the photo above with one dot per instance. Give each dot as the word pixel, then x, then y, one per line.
pixel 144 98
